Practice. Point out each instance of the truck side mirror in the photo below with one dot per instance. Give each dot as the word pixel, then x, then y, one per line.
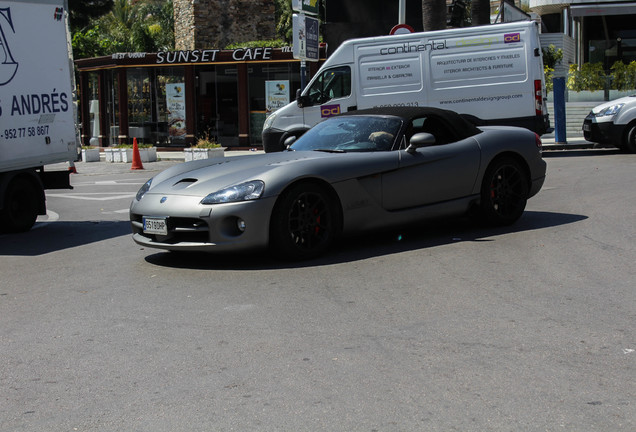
pixel 301 101
pixel 418 140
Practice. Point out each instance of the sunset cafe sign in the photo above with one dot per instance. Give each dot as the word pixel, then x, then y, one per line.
pixel 202 55
pixel 213 55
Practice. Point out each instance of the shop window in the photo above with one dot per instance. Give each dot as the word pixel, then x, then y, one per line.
pixel 93 108
pixel 271 86
pixel 156 106
pixel 170 125
pixel 217 104
pixel 112 105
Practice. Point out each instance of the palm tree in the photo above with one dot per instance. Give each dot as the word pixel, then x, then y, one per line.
pixel 480 12
pixel 434 14
pixel 284 20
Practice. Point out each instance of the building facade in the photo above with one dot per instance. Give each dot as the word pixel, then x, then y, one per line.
pixel 589 30
pixel 174 98
pixel 199 90
pixel 202 24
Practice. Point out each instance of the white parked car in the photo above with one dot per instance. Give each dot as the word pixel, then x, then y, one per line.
pixel 613 123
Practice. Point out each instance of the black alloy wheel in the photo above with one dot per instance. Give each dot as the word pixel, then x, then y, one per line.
pixel 303 222
pixel 504 192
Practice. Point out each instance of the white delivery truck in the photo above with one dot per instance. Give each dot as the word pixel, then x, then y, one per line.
pixel 492 74
pixel 37 114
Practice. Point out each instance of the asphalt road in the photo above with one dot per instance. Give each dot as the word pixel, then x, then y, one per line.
pixel 450 326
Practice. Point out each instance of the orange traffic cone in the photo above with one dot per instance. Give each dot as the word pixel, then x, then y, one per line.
pixel 71 167
pixel 136 162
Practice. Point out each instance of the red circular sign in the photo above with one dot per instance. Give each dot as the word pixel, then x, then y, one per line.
pixel 402 29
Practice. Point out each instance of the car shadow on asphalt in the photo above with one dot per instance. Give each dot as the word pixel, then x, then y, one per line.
pixel 370 244
pixel 47 237
pixel 599 152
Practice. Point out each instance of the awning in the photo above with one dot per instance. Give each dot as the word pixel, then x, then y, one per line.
pixel 580 10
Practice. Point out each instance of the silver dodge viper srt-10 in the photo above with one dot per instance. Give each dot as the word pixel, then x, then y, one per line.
pixel 362 170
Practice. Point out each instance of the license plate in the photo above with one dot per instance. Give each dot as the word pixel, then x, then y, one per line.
pixel 155 226
pixel 587 127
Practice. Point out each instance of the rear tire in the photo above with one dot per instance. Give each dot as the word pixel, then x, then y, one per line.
pixel 504 192
pixel 21 206
pixel 303 222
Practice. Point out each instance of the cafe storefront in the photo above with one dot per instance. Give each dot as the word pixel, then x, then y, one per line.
pixel 171 99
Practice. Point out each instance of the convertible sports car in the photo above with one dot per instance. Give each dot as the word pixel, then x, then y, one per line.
pixel 358 171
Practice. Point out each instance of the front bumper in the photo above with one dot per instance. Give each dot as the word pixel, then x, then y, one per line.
pixel 206 228
pixel 602 132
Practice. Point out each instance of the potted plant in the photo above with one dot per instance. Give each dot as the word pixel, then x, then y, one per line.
pixel 90 154
pixel 205 148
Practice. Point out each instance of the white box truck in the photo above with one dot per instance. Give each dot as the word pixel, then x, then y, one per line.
pixel 37 113
pixel 492 74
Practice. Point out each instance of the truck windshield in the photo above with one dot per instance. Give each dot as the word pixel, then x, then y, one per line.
pixel 330 84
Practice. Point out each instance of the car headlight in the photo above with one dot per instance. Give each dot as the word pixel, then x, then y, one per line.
pixel 143 190
pixel 269 121
pixel 610 111
pixel 251 190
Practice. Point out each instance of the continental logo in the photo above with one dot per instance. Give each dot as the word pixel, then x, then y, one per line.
pixel 409 48
pixel 329 110
pixel 512 37
pixel 434 45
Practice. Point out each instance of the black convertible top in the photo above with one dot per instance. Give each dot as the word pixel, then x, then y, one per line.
pixel 461 127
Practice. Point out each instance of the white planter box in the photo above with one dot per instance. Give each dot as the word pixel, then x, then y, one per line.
pixel 202 153
pixel 125 155
pixel 148 154
pixel 90 155
pixel 111 154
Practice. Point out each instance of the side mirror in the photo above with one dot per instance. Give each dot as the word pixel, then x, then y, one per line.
pixel 418 140
pixel 301 101
pixel 289 141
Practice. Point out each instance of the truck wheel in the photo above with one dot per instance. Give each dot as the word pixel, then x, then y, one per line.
pixel 630 145
pixel 21 206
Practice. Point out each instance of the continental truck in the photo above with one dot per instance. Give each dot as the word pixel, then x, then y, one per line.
pixel 37 111
pixel 491 74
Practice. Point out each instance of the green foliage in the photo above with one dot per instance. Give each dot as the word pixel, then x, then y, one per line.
pixel 273 43
pixel 284 20
pixel 623 76
pixel 552 56
pixel 83 12
pixel 206 142
pixel 590 76
pixel 548 72
pixel 130 26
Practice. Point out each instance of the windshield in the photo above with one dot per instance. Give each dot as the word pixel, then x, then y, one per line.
pixel 351 133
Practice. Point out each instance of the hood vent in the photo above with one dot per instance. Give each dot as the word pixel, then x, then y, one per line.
pixel 184 183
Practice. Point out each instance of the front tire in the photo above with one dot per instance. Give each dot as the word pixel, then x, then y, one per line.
pixel 303 222
pixel 504 192
pixel 630 144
